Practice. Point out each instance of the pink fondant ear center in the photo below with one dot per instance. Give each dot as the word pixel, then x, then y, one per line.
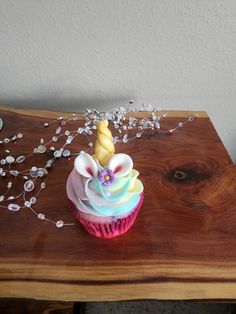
pixel 118 169
pixel 89 170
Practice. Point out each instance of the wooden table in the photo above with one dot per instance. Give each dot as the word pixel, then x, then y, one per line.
pixel 183 243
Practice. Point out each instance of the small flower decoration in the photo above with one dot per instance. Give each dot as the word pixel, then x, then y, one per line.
pixel 97 181
pixel 119 166
pixel 106 176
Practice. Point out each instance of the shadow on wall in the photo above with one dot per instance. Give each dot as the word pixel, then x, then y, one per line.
pixel 73 100
pixel 60 101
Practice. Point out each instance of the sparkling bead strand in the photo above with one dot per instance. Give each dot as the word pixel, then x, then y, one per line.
pixel 119 120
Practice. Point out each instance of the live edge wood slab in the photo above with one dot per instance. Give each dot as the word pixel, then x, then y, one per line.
pixel 182 245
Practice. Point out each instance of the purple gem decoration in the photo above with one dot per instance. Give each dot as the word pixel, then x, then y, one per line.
pixel 106 176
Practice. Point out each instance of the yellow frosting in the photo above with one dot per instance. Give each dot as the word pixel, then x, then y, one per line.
pixel 104 147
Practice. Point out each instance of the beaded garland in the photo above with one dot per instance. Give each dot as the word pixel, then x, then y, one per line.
pixel 34 179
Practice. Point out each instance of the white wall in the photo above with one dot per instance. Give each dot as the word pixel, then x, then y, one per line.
pixel 64 54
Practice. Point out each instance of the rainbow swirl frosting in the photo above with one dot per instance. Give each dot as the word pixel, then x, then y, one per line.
pixel 113 190
pixel 106 184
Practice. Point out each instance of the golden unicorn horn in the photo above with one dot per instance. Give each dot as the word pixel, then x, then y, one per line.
pixel 104 147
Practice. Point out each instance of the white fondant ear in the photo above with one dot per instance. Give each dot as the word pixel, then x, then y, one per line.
pixel 86 165
pixel 120 164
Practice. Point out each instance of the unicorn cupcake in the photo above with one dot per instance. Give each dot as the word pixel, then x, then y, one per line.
pixel 104 191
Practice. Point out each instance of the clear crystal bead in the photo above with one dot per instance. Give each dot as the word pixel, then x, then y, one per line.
pixel 157 125
pixel 10 159
pixel 90 144
pixel 66 153
pixel 20 159
pixel 80 130
pixel 14 173
pixel 41 172
pixel 109 116
pixel 6 140
pixel 3 161
pixel 46 125
pixel 33 200
pixel 27 204
pixel 69 139
pixel 145 123
pixel 122 110
pixel 149 107
pixel 154 116
pixel 54 138
pixel 125 138
pixel 43 185
pixel 13 207
pixel 1 170
pixel 57 153
pixel 41 141
pixel 11 198
pixel 9 185
pixel 19 135
pixel 41 216
pixel 138 135
pixel 59 224
pixel 115 139
pixel 13 138
pixel 50 161
pixel 2 197
pixel 67 133
pixel 87 130
pixel 180 124
pixel 34 172
pixel 58 130
pixel 41 149
pixel 29 186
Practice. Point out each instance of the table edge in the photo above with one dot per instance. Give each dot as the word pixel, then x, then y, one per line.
pixel 161 291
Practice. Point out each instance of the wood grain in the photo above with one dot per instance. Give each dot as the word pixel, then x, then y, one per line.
pixel 182 245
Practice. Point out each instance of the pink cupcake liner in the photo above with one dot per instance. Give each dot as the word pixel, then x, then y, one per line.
pixel 110 229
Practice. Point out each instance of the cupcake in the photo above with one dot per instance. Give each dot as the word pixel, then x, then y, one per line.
pixel 105 194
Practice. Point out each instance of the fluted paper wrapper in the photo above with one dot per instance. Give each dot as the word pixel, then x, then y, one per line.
pixel 108 229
